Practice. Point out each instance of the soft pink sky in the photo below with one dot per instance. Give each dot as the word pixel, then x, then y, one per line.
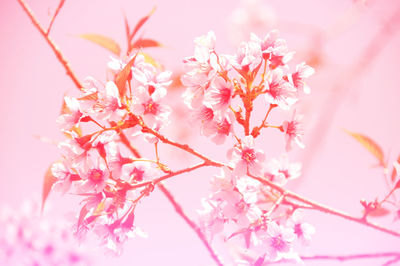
pixel 32 85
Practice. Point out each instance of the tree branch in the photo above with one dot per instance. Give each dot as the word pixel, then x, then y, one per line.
pixel 53 46
pixel 60 5
pixel 394 257
pixel 193 225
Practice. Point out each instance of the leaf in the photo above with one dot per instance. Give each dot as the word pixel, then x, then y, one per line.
pixel 370 145
pixel 122 77
pixel 82 214
pixel 127 29
pixel 378 212
pixel 48 183
pixel 103 41
pixel 140 24
pixel 151 60
pixel 394 172
pixel 146 43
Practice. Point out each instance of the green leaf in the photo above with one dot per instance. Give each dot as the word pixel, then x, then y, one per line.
pixel 48 183
pixel 370 145
pixel 103 41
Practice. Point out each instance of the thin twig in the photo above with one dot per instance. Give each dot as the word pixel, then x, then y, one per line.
pixel 60 5
pixel 395 256
pixel 322 208
pixel 192 224
pixel 53 46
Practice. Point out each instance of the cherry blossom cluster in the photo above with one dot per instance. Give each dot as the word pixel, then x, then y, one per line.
pixel 107 122
pixel 221 90
pixel 94 164
pixel 26 238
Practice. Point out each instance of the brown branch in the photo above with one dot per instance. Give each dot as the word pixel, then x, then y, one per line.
pixel 53 46
pixel 60 5
pixel 184 147
pixel 167 176
pixel 170 197
pixel 128 144
pixel 192 224
pixel 322 208
pixel 394 255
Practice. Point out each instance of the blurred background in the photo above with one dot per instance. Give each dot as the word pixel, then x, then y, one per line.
pixel 353 46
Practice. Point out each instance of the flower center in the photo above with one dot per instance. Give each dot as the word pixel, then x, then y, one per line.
pixel 96 175
pixel 248 155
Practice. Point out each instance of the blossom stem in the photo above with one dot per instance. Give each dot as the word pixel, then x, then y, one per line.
pixel 53 46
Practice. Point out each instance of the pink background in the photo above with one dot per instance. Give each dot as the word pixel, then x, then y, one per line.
pixel 32 84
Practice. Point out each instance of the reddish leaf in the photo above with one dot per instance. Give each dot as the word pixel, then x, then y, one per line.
pixel 127 29
pixel 378 212
pixel 140 24
pixel 146 43
pixel 122 77
pixel 103 41
pixel 394 172
pixel 151 60
pixel 370 145
pixel 82 214
pixel 48 183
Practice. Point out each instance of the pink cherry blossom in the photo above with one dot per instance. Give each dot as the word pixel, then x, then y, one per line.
pixel 246 158
pixel 279 91
pixel 279 241
pixel 219 95
pixel 293 131
pixel 149 106
pixel 303 71
pixel 220 128
pixel 302 230
pixel 73 116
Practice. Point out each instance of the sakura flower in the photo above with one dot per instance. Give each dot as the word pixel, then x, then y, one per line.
pixel 279 171
pixel 94 178
pixel 109 102
pixel 279 241
pixel 114 233
pixel 147 76
pixel 220 127
pixel 267 44
pixel 137 172
pixel 303 71
pixel 302 230
pixel 279 91
pixel 225 181
pixel 65 176
pixel 293 132
pixel 246 158
pixel 248 56
pixel 203 45
pixel 150 107
pixel 219 95
pixel 73 114
pixel 211 220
